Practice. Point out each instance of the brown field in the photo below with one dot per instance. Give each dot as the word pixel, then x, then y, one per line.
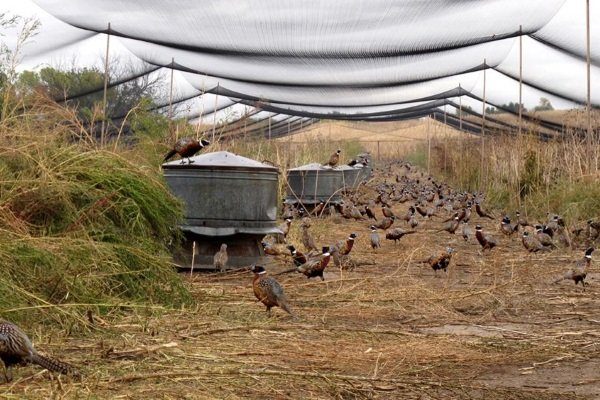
pixel 493 327
pixel 386 139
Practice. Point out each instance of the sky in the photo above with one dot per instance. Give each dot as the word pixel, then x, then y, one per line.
pixel 81 48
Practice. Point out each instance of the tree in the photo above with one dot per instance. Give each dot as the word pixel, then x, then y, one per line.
pixel 544 105
pixel 465 109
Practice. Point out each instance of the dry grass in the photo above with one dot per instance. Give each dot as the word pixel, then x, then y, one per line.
pixel 493 327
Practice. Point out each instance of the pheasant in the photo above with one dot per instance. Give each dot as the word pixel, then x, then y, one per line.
pixel 385 223
pixel 318 208
pixel 307 239
pixel 268 291
pixel 543 237
pixel 522 221
pixel 397 234
pixel 186 147
pixel 466 231
pixel 344 247
pixel 375 241
pixel 274 249
pixel 220 259
pixel 285 229
pixel 481 212
pixel 334 158
pixel 507 228
pixel 451 226
pixel 579 271
pixel 315 267
pixel 386 211
pixel 440 261
pixel 532 244
pixel 486 241
pixel 298 257
pixel 370 213
pixel 16 348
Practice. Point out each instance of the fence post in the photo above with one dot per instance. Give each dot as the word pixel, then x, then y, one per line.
pixel 104 124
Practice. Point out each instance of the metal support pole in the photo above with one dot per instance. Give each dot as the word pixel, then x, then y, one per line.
pixel 171 89
pixel 215 115
pixel 481 168
pixel 520 79
pixel 104 124
pixel 589 86
pixel 270 127
pixel 460 110
pixel 428 146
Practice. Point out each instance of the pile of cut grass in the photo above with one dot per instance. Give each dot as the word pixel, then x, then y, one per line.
pixel 82 230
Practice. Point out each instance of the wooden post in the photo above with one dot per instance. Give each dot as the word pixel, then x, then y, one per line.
pixel 193 258
pixel 199 125
pixel 460 109
pixel 520 79
pixel 270 126
pixel 589 87
pixel 481 167
pixel 378 152
pixel 215 114
pixel 171 89
pixel 102 132
pixel 428 146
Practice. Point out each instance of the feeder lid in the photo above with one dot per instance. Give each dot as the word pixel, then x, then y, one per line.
pixel 314 167
pixel 219 160
pixel 228 231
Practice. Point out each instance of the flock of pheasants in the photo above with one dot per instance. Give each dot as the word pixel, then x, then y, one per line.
pixel 427 198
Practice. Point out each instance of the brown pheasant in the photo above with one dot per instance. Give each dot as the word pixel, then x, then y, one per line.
pixel 16 348
pixel 186 147
pixel 268 291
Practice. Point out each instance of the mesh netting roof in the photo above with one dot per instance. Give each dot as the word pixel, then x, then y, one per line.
pixel 295 61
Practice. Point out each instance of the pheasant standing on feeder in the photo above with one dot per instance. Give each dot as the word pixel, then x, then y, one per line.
pixel 298 257
pixel 315 267
pixel 334 159
pixel 186 147
pixel 579 271
pixel 375 241
pixel 220 259
pixel 486 241
pixel 16 348
pixel 307 239
pixel 532 244
pixel 440 261
pixel 268 291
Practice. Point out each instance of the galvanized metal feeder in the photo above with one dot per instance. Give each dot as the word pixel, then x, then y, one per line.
pixel 228 199
pixel 313 183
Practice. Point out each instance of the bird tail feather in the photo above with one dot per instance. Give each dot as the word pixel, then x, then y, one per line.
pixel 54 365
pixel 170 154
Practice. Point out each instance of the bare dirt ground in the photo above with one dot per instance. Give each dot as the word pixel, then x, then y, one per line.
pixel 493 327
